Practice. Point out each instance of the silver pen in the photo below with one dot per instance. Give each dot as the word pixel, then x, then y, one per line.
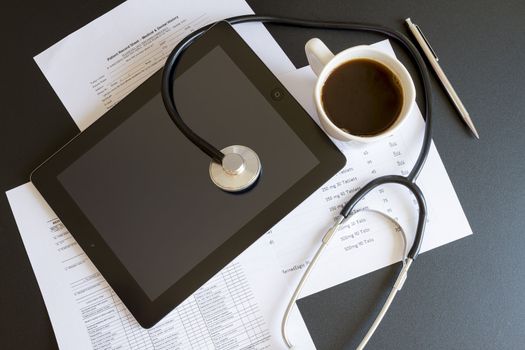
pixel 433 59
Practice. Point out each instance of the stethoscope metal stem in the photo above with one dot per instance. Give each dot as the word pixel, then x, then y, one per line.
pixel 401 278
pixel 398 284
pixel 324 242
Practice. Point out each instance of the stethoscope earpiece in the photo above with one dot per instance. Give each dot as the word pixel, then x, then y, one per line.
pixel 240 169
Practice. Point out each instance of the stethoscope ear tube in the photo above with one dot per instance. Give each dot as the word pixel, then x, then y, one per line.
pixel 398 284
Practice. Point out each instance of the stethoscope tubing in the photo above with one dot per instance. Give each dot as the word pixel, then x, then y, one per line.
pixel 349 208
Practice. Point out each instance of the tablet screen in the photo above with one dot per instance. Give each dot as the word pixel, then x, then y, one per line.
pixel 146 188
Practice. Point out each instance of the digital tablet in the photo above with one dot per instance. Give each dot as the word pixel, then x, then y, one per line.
pixel 137 196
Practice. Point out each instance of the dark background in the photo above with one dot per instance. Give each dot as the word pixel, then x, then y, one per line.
pixel 466 295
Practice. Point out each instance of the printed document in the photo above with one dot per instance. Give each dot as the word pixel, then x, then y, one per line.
pixel 87 314
pixel 98 65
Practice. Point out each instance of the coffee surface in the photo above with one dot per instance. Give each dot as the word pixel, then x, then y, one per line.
pixel 363 97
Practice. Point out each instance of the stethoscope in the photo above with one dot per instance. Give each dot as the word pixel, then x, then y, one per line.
pixel 236 168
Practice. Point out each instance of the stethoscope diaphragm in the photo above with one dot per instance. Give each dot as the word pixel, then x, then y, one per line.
pixel 239 170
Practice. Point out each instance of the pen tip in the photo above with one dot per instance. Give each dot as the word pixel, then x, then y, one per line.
pixel 470 124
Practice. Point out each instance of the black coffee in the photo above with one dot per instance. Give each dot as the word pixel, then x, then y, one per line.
pixel 363 97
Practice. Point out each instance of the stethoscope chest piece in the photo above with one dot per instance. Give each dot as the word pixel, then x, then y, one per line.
pixel 239 170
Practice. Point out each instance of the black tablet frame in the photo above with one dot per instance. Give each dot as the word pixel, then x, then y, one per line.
pixel 148 312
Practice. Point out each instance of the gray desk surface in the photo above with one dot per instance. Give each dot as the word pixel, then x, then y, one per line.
pixel 466 295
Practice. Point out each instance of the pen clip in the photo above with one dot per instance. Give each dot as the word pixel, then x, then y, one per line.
pixel 426 41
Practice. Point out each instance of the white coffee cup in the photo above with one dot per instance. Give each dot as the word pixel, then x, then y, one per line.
pixel 323 63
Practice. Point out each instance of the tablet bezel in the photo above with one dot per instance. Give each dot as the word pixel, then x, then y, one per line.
pixel 146 311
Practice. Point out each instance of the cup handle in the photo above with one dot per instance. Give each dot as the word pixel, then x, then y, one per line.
pixel 318 55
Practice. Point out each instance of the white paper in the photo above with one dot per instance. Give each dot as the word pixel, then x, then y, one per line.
pixel 86 313
pixel 95 67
